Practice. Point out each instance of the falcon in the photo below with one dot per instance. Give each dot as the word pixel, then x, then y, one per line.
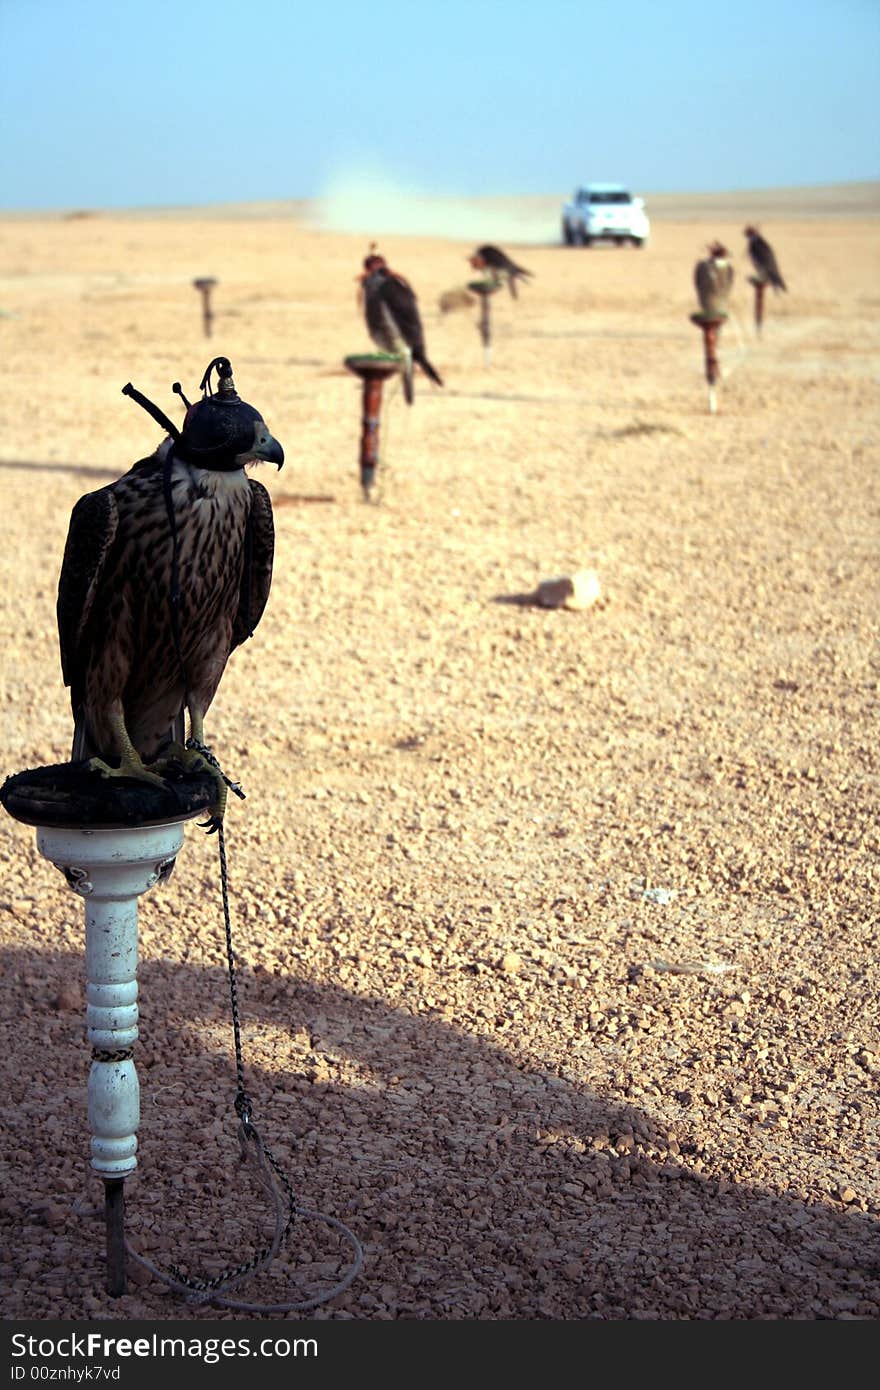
pixel 493 258
pixel 713 278
pixel 393 320
pixel 763 259
pixel 165 572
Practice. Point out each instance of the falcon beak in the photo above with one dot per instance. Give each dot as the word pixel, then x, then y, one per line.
pixel 270 451
pixel 265 449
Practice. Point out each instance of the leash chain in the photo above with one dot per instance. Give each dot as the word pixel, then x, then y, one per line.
pixel 248 1132
pixel 271 1174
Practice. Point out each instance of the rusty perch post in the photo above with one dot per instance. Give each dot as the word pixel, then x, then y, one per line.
pixel 711 326
pixel 760 287
pixel 485 289
pixel 373 368
pixel 205 285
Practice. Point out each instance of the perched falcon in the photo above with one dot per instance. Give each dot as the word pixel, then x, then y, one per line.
pixel 493 258
pixel 165 572
pixel 763 259
pixel 713 278
pixel 393 319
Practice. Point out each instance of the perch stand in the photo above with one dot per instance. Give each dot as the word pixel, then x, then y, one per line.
pixel 112 841
pixel 373 368
pixel 485 289
pixel 760 287
pixel 205 286
pixel 711 326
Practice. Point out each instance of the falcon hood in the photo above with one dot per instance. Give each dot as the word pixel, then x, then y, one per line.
pixel 221 432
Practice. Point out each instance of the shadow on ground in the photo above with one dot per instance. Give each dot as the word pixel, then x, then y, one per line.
pixel 480 1186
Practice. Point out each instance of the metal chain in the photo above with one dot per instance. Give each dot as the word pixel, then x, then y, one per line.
pixel 272 1175
pixel 243 1108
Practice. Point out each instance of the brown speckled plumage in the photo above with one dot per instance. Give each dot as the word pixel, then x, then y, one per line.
pixel 118 652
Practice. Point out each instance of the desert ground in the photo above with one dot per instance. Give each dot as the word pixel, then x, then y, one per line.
pixel 557 931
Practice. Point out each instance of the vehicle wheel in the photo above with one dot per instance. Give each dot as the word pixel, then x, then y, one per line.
pixel 567 235
pixel 619 240
pixel 586 240
pixel 637 241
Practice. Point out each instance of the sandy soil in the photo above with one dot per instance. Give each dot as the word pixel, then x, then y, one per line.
pixel 557 930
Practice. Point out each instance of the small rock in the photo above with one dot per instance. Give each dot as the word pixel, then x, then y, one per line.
pixel 511 963
pixel 67 1000
pixel 575 592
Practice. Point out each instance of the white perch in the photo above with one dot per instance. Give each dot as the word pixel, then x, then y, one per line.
pixel 110 869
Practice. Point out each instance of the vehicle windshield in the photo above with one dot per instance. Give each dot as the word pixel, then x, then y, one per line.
pixel 618 196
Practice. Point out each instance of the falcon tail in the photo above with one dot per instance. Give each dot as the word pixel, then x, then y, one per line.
pixel 428 369
pixel 407 375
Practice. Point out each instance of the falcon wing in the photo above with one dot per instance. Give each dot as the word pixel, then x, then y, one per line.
pixel 256 576
pixel 706 282
pixel 91 533
pixel 400 302
pixel 765 260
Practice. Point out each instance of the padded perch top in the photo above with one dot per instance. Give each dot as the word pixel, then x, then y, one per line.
pixel 373 364
pixel 71 796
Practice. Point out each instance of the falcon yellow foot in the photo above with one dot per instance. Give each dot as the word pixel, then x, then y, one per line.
pixel 196 757
pixel 130 766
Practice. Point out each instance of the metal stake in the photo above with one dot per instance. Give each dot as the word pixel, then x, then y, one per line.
pixel 114 1217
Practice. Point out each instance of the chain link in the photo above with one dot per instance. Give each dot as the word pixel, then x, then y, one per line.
pixel 248 1134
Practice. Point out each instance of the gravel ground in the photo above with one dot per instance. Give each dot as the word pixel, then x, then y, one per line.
pixel 557 931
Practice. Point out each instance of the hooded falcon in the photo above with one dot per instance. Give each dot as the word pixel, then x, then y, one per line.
pixel 763 259
pixel 494 259
pixel 165 572
pixel 393 319
pixel 713 278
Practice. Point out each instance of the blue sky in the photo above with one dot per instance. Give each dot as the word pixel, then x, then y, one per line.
pixel 109 104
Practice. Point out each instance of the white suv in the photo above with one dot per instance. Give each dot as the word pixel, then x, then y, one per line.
pixel 605 212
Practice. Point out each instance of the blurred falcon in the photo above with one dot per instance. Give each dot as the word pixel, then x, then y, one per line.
pixel 393 320
pixel 494 259
pixel 763 259
pixel 713 278
pixel 165 572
